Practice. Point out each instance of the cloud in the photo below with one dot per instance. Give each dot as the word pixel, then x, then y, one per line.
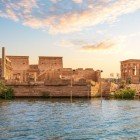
pixel 91 17
pixel 71 43
pixel 86 46
pixel 66 18
pixel 11 14
pixel 19 10
pixel 104 45
pixel 78 1
pixel 55 1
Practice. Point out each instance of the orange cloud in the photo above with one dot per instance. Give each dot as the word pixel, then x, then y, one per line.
pixel 105 45
pixel 98 14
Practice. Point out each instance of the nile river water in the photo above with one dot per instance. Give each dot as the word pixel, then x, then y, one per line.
pixel 61 119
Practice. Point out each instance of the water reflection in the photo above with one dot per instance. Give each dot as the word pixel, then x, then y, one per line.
pixel 43 119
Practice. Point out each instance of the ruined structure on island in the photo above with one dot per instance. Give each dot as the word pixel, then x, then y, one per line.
pixel 48 70
pixel 130 71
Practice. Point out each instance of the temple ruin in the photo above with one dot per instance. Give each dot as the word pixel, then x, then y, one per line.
pixel 49 69
pixel 130 71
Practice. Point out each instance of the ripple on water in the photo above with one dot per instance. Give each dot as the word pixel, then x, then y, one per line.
pixel 62 119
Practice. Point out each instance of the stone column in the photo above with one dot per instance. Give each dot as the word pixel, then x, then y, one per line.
pixel 3 63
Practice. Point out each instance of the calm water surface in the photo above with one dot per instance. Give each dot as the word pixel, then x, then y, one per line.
pixel 61 119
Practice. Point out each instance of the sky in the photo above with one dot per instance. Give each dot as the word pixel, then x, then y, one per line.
pixel 94 34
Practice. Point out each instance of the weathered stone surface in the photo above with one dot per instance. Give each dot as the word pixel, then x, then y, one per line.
pixel 49 63
pixel 51 91
pixel 77 75
pixel 130 71
pixel 113 87
pixel 49 69
pixel 105 88
pixel 63 90
pixel 95 90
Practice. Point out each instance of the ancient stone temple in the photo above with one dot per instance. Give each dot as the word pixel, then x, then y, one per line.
pixel 5 66
pixel 20 65
pixel 49 68
pixel 49 63
pixel 130 71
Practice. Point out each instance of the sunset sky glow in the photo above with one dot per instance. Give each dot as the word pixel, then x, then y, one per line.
pixel 87 33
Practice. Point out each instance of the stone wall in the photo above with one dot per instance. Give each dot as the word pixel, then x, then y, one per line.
pixel 49 63
pixel 50 91
pixel 130 71
pixel 20 64
pixel 105 88
pixel 5 67
pixel 95 90
pixel 0 68
pixel 88 74
pixel 68 73
pixel 62 90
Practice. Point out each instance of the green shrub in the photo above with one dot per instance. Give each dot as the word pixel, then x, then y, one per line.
pixel 6 92
pixel 125 94
pixel 2 87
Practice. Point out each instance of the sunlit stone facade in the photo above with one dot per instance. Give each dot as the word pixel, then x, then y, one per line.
pixel 130 70
pixel 18 69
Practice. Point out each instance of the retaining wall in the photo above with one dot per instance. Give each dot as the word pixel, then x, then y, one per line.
pixel 50 91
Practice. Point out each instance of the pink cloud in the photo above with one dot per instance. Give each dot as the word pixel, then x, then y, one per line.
pixel 71 21
pixel 77 1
